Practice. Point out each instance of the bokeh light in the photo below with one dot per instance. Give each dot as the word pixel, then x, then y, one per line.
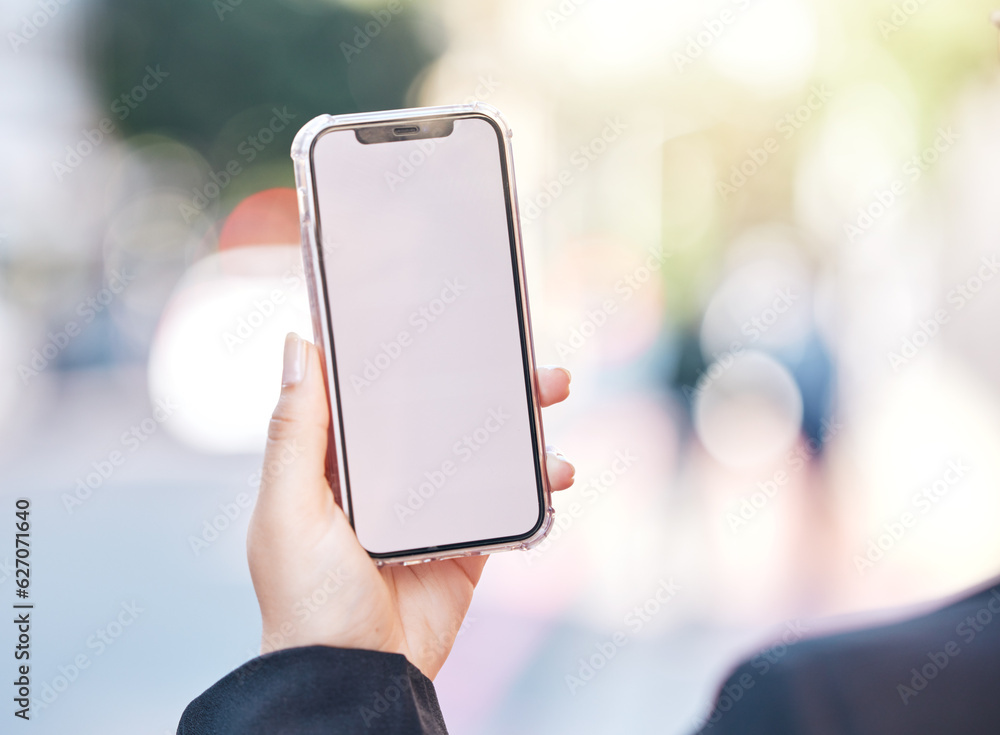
pixel 218 347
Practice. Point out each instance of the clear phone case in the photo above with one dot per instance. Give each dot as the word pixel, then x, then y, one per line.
pixel 301 154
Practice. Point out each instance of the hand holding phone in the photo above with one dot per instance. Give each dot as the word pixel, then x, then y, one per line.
pixel 315 583
pixel 411 241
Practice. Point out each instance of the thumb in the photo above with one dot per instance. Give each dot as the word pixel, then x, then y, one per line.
pixel 293 478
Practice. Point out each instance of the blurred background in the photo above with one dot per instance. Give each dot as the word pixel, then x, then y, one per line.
pixel 762 234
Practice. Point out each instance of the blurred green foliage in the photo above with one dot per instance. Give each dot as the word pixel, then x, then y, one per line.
pixel 229 64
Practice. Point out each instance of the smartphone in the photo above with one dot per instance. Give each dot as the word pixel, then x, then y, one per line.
pixel 412 251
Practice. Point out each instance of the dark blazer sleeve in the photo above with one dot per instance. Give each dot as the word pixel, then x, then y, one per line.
pixel 936 673
pixel 748 704
pixel 318 689
pixel 791 695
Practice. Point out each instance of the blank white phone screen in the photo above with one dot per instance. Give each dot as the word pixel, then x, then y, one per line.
pixel 423 313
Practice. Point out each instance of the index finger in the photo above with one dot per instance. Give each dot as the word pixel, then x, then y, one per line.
pixel 553 384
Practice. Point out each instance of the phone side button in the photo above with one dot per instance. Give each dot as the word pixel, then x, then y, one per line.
pixel 460 555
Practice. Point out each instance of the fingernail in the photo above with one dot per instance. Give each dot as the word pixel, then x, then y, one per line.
pixel 561 458
pixel 559 367
pixel 554 451
pixel 294 368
